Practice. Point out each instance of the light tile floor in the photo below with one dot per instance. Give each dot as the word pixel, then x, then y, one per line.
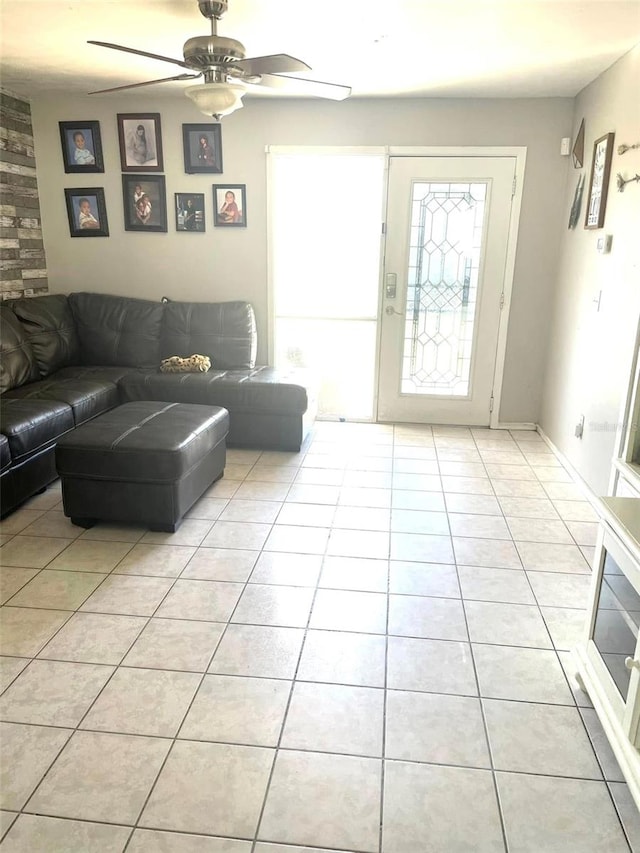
pixel 360 647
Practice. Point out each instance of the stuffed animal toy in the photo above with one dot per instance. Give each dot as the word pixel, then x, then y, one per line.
pixel 192 364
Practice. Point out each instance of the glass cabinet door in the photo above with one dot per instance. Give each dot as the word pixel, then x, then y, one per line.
pixel 617 620
pixel 608 657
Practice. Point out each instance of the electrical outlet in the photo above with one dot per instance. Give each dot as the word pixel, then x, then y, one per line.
pixel 579 427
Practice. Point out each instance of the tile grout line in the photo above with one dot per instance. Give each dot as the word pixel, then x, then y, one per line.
pixel 618 812
pixel 174 739
pixel 278 746
pixel 386 673
pixel 485 727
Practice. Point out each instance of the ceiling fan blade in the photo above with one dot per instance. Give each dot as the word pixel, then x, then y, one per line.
pixel 299 86
pixel 276 63
pixel 147 83
pixel 140 53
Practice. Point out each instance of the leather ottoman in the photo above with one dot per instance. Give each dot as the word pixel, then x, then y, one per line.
pixel 143 463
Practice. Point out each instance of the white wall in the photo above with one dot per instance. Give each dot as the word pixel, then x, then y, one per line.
pixel 590 350
pixel 232 263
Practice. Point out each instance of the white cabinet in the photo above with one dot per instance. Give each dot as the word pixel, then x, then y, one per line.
pixel 626 465
pixel 608 658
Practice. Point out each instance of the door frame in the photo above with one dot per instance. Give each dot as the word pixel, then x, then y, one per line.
pixel 517 152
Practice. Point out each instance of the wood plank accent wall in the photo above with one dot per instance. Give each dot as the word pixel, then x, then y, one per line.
pixel 23 265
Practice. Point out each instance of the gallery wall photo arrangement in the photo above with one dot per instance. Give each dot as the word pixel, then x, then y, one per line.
pixel 140 137
pixel 202 145
pixel 599 181
pixel 87 212
pixel 230 203
pixel 190 212
pixel 145 202
pixel 81 146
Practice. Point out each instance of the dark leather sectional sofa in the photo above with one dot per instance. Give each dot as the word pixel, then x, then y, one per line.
pixel 67 359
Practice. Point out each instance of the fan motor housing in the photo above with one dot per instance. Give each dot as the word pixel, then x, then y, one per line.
pixel 202 52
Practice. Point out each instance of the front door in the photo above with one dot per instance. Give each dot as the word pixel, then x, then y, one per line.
pixel 448 224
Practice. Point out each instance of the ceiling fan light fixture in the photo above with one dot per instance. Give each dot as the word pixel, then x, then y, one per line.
pixel 216 99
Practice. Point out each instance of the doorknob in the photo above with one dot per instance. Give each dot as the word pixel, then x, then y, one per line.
pixel 391 310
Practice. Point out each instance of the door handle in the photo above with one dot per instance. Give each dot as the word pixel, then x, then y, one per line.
pixel 391 310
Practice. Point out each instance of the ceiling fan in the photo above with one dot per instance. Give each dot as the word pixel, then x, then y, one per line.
pixel 227 74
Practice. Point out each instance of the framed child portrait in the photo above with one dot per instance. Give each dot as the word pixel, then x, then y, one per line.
pixel 140 137
pixel 230 202
pixel 81 146
pixel 87 212
pixel 190 212
pixel 202 145
pixel 145 202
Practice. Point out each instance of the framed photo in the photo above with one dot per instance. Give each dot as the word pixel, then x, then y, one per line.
pixel 574 215
pixel 140 138
pixel 190 212
pixel 202 145
pixel 145 203
pixel 599 181
pixel 230 203
pixel 81 146
pixel 87 212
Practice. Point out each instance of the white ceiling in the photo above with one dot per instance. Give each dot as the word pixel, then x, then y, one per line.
pixel 455 48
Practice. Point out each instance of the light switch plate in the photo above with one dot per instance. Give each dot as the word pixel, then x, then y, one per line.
pixel 604 244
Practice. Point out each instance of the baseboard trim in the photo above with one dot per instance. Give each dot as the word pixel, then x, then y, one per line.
pixel 589 494
pixel 524 426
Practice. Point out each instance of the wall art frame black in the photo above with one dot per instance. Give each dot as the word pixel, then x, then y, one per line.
pixel 140 137
pixel 190 216
pixel 202 145
pixel 81 146
pixel 87 212
pixel 230 205
pixel 145 202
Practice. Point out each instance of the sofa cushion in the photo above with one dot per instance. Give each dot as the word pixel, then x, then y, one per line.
pixel 5 454
pixel 51 330
pixel 32 425
pixel 17 359
pixel 86 398
pixel 142 442
pixel 116 330
pixel 96 373
pixel 225 331
pixel 263 389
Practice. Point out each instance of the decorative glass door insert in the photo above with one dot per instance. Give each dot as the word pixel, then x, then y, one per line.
pixel 442 287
